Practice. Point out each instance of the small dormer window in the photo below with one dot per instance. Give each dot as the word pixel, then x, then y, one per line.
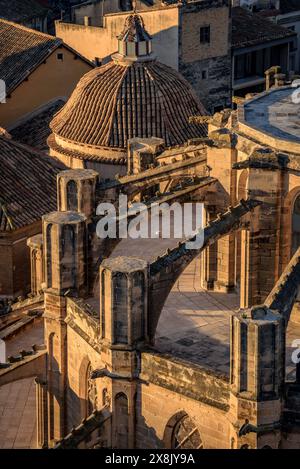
pixel 142 49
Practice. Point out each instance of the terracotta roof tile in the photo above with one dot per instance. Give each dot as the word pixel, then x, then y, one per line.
pixel 28 184
pixel 35 130
pixel 21 51
pixel 114 103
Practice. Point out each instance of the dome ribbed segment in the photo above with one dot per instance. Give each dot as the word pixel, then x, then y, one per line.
pixel 115 102
pixel 87 116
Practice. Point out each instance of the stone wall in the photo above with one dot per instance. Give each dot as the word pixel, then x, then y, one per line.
pixel 61 77
pixel 101 42
pixel 213 59
pixel 174 388
pixel 176 42
pixel 15 261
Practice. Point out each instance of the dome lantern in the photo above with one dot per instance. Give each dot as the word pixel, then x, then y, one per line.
pixel 134 42
pixel 133 96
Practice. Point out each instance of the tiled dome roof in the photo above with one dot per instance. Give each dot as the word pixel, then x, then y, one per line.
pixel 116 102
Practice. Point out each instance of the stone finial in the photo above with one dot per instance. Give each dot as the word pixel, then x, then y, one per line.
pixel 65 244
pixel 270 76
pixel 257 346
pixel 223 138
pixel 142 153
pixel 123 300
pixel 76 191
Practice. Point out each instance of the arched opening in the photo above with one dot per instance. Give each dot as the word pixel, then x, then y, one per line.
pixel 49 256
pixel 90 392
pixel 120 310
pixel 87 197
pixel 105 397
pixel 121 426
pixel 72 196
pixel 295 242
pixel 68 273
pixel 138 306
pixel 102 304
pixel 182 433
pixel 53 374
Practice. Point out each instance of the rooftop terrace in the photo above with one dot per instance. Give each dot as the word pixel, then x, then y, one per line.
pixel 273 118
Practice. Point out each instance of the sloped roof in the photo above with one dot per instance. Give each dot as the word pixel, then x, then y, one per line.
pixel 21 10
pixel 249 29
pixel 34 130
pixel 27 186
pixel 21 51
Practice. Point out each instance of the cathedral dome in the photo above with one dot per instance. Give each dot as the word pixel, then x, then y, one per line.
pixel 132 96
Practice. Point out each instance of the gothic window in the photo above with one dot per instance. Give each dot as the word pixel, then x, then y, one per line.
pixel 105 397
pixel 49 256
pixel 186 435
pixel 68 279
pixel 72 196
pixel 120 308
pixel 138 306
pixel 91 392
pixel 121 414
pixel 52 367
pixel 296 225
pixel 102 304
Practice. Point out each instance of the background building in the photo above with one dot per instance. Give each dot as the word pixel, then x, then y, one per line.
pixel 30 13
pixel 257 45
pixel 193 38
pixel 285 13
pixel 27 191
pixel 36 69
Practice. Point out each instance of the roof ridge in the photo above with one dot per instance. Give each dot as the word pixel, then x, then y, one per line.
pixel 34 151
pixel 24 202
pixel 115 99
pixel 30 30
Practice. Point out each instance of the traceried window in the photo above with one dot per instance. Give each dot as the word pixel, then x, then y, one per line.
pixel 72 195
pixel 91 392
pixel 186 435
pixel 296 225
